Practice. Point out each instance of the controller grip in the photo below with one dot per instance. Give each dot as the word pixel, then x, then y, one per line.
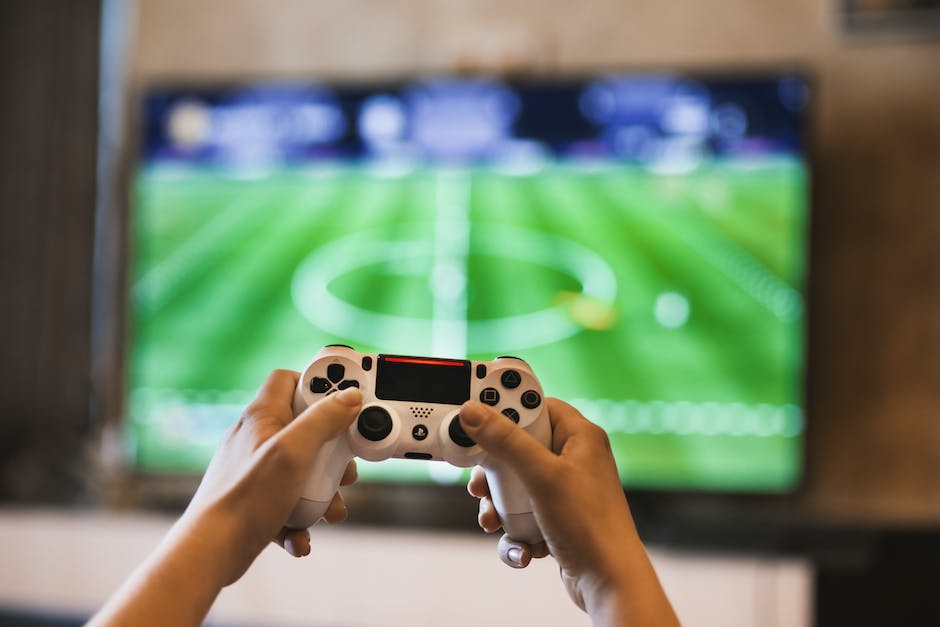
pixel 512 503
pixel 306 513
pixel 510 497
pixel 322 484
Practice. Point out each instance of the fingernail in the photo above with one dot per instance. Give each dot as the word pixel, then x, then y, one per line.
pixel 290 548
pixel 349 396
pixel 471 418
pixel 515 556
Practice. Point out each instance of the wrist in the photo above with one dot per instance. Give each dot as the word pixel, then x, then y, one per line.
pixel 627 591
pixel 209 539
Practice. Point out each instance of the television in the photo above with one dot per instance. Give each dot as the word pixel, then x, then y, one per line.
pixel 639 239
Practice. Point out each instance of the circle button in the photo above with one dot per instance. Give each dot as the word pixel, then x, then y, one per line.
pixel 531 399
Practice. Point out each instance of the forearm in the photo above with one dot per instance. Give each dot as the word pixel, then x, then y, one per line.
pixel 178 582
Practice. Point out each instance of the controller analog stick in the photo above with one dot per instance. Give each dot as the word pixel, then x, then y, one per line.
pixel 375 424
pixel 458 435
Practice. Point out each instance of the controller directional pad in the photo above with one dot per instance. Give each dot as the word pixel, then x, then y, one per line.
pixel 335 372
pixel 319 385
pixel 335 380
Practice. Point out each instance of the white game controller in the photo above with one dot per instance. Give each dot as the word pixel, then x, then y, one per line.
pixel 410 410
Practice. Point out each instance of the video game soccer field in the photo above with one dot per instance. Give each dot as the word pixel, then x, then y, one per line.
pixel 667 307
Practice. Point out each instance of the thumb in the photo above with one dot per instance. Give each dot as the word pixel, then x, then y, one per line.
pixel 507 442
pixel 323 421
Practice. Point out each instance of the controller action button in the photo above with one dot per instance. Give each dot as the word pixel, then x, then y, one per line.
pixel 367 363
pixel 490 396
pixel 481 371
pixel 512 414
pixel 511 379
pixel 458 435
pixel 319 385
pixel 419 432
pixel 349 383
pixel 335 372
pixel 375 424
pixel 531 399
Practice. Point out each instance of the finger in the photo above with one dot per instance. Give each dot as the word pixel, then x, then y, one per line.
pixel 336 512
pixel 275 393
pixel 323 421
pixel 488 518
pixel 572 432
pixel 477 486
pixel 514 553
pixel 540 550
pixel 507 442
pixel 294 541
pixel 566 421
pixel 350 474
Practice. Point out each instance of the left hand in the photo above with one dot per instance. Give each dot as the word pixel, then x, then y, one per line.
pixel 256 476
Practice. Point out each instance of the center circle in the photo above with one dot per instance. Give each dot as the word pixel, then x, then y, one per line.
pixel 321 306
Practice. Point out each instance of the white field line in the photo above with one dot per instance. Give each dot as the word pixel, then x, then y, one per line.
pixel 198 243
pixel 449 265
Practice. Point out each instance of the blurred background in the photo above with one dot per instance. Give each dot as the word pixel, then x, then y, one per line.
pixel 782 457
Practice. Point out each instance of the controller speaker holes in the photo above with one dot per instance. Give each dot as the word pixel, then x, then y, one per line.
pixel 421 413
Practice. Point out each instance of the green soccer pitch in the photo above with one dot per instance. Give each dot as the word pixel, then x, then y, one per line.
pixel 667 307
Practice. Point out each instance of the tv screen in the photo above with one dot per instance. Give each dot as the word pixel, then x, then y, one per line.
pixel 639 239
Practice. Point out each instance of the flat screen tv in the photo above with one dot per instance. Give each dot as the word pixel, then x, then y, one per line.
pixel 641 240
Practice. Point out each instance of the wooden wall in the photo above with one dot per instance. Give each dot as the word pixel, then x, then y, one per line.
pixel 48 145
pixel 874 381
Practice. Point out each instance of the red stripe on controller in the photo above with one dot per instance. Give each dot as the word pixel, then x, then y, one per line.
pixel 425 362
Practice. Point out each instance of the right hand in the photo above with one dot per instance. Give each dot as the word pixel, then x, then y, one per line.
pixel 579 505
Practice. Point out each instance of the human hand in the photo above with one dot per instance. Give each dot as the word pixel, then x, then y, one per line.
pixel 256 476
pixel 580 507
pixel 252 484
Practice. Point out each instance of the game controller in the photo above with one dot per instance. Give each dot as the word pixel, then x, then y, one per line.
pixel 410 410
